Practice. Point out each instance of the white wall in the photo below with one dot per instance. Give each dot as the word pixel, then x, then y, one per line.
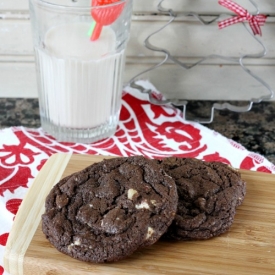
pixel 187 39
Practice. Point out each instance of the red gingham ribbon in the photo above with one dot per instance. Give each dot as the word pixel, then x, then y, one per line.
pixel 255 21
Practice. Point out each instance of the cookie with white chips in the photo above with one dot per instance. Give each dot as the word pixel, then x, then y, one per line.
pixel 209 194
pixel 110 209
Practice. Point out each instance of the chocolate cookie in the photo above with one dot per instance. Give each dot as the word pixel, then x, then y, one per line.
pixel 209 193
pixel 110 209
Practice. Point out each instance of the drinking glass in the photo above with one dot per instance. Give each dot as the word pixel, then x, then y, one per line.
pixel 80 55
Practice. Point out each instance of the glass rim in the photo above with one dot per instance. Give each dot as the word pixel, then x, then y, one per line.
pixel 46 3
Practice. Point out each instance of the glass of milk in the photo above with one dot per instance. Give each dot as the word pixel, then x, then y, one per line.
pixel 79 79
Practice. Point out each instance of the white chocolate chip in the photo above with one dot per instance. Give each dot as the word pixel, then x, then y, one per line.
pixel 154 202
pixel 77 242
pixel 150 232
pixel 143 205
pixel 131 193
pixel 70 246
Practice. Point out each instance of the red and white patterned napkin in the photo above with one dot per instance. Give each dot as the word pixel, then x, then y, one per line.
pixel 144 129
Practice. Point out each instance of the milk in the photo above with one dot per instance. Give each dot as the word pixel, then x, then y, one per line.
pixel 81 80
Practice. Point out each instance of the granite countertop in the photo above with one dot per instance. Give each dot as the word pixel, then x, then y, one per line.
pixel 255 129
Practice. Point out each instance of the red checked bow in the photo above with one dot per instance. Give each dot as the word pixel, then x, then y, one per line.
pixel 255 21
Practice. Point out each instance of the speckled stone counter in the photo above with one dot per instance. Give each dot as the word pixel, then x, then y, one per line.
pixel 255 129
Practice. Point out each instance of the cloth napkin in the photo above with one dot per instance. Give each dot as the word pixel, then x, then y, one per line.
pixel 144 129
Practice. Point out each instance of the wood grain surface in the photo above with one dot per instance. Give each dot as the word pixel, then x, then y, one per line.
pixel 247 248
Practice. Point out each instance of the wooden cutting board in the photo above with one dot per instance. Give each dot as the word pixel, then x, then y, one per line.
pixel 247 248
